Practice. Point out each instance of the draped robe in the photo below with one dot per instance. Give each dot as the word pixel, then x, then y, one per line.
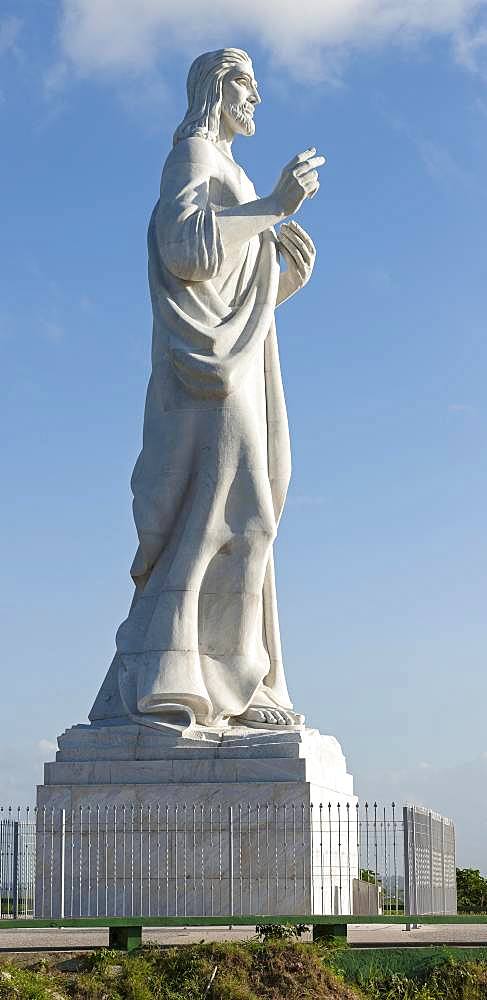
pixel 211 480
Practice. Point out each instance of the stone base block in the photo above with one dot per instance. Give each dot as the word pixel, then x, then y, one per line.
pixel 219 822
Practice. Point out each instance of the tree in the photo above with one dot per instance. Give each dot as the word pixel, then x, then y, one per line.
pixel 368 875
pixel 471 891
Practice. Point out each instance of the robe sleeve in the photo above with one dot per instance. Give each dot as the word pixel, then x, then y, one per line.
pixel 210 341
pixel 186 226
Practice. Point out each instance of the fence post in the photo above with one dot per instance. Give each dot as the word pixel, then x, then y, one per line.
pixel 443 886
pixel 407 875
pixel 62 859
pixel 410 872
pixel 430 845
pixel 230 860
pixel 414 865
pixel 15 873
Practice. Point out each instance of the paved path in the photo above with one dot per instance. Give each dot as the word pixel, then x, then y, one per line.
pixel 84 938
pixel 373 935
pixel 396 934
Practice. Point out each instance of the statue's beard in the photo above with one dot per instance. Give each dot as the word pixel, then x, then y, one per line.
pixel 240 114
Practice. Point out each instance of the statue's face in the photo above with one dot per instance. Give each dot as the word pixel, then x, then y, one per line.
pixel 240 97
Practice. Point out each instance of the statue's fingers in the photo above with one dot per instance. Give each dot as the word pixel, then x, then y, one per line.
pixel 309 179
pixel 311 164
pixel 314 191
pixel 302 251
pixel 305 177
pixel 282 247
pixel 287 248
pixel 309 184
pixel 294 264
pixel 305 155
pixel 295 227
pixel 295 254
pixel 294 240
pixel 300 245
pixel 287 241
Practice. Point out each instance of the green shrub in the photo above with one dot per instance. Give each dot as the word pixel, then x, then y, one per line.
pixel 281 932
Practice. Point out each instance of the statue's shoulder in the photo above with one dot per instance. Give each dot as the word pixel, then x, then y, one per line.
pixel 194 150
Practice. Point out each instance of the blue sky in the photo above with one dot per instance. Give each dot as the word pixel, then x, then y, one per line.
pixel 382 549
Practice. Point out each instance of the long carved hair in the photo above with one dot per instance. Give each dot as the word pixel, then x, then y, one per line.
pixel 205 89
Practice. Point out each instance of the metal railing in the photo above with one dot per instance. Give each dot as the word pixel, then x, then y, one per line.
pixel 17 861
pixel 128 859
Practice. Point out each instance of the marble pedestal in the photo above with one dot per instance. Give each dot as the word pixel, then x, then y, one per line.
pixel 214 822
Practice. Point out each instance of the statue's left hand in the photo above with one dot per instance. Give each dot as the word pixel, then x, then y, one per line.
pixel 299 252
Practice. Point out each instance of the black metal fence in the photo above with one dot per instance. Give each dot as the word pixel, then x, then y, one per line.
pixel 193 859
pixel 17 861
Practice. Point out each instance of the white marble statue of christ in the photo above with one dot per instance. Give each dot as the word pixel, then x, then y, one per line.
pixel 201 642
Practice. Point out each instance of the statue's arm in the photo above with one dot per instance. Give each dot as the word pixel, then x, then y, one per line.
pixel 240 223
pixel 298 181
pixel 193 237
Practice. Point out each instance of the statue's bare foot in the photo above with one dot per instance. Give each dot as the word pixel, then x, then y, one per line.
pixel 263 715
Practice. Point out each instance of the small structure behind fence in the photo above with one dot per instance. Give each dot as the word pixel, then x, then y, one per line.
pixel 430 865
pixel 214 860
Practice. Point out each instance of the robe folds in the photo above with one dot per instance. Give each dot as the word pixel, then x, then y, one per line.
pixel 211 480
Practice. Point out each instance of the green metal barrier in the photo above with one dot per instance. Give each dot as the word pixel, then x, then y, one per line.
pixel 126 932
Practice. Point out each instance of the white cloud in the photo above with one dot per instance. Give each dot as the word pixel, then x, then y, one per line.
pixel 130 35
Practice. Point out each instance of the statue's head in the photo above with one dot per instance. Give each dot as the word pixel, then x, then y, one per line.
pixel 220 85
